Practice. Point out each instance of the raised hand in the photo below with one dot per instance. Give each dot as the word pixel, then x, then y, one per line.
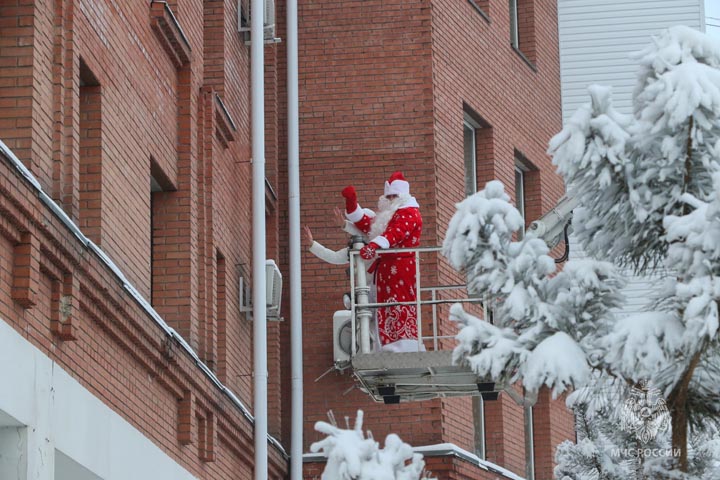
pixel 308 237
pixel 339 217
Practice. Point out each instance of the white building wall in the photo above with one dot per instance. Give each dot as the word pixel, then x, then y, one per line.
pixel 596 41
pixel 52 428
pixel 597 37
pixel 638 291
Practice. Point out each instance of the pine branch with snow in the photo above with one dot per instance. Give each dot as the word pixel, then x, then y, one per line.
pixel 648 187
pixel 543 319
pixel 667 197
pixel 604 451
pixel 659 207
pixel 353 456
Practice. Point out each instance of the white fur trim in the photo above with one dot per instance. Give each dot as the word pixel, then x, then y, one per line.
pixel 404 345
pixel 381 241
pixel 398 187
pixel 355 216
pixel 410 203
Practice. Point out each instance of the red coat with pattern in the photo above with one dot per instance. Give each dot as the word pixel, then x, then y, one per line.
pixel 395 275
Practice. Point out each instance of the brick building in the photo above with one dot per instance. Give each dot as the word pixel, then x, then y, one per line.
pixel 134 119
pixel 419 86
pixel 126 227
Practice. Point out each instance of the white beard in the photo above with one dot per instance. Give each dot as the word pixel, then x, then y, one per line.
pixel 386 210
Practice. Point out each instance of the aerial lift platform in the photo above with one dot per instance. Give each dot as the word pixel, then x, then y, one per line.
pixel 431 372
pixel 392 377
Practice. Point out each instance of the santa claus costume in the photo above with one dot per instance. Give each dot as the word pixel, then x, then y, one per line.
pixel 397 224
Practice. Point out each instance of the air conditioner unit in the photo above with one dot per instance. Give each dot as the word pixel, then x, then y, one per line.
pixel 273 289
pixel 244 20
pixel 273 292
pixel 342 337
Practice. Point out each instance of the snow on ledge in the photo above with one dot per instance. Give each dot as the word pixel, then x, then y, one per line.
pixel 450 449
pixel 441 450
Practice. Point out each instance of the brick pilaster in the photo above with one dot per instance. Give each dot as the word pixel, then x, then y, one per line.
pixel 26 270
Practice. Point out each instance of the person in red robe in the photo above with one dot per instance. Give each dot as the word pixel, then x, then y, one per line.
pixel 397 224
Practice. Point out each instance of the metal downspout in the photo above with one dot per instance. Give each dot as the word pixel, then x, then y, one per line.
pixel 258 247
pixel 296 352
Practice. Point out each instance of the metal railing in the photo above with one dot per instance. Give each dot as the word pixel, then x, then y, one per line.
pixel 362 308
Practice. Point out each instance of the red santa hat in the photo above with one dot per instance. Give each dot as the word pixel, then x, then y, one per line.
pixel 397 185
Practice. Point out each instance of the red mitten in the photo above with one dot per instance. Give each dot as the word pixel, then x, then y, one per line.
pixel 350 195
pixel 368 251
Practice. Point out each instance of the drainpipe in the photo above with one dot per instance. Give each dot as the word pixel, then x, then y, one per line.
pixel 257 42
pixel 296 352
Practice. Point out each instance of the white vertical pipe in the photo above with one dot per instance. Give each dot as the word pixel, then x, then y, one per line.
pixel 296 345
pixel 362 294
pixel 258 188
pixel 418 300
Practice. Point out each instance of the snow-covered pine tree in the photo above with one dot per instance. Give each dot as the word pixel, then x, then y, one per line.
pixel 353 456
pixel 544 325
pixel 648 185
pixel 655 202
pixel 606 451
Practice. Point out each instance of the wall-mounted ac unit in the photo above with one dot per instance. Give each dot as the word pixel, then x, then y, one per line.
pixel 273 292
pixel 244 16
pixel 342 337
pixel 273 289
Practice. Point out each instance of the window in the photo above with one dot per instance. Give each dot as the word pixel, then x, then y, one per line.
pixel 162 214
pixel 529 444
pixel 527 190
pixel 91 181
pixel 155 196
pixel 470 153
pixel 522 29
pixel 221 299
pixel 477 151
pixel 520 196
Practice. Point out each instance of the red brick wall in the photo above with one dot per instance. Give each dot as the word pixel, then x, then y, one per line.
pixel 93 141
pixel 365 111
pixel 553 425
pixel 476 68
pixel 384 87
pixel 440 467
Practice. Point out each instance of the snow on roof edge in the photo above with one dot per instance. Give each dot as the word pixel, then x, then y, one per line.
pixel 25 173
pixel 440 450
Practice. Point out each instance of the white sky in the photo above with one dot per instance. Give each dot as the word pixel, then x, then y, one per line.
pixel 712 17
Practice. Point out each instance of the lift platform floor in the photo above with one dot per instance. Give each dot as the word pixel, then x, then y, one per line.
pixel 394 377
